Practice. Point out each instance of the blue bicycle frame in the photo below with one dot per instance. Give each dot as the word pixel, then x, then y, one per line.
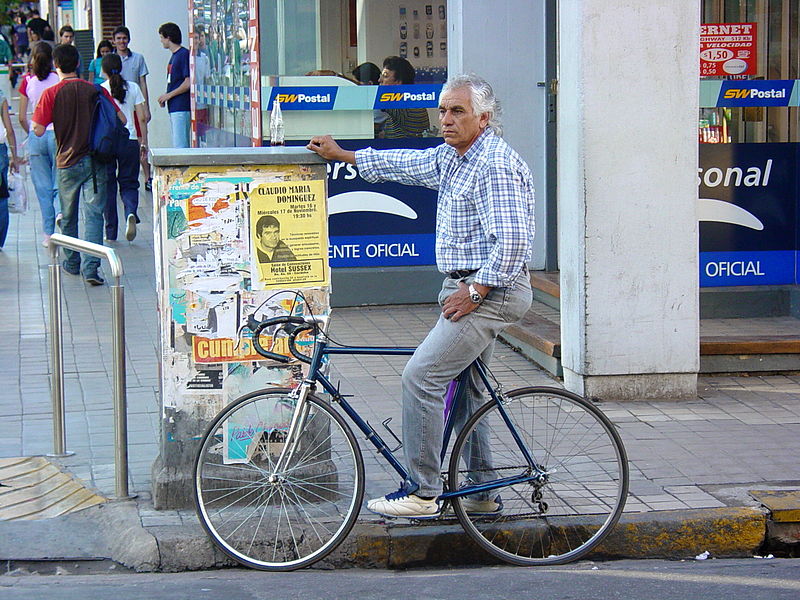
pixel 455 394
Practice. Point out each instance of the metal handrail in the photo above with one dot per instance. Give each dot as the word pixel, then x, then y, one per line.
pixel 118 340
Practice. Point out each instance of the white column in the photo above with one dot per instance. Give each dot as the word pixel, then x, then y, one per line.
pixel 143 18
pixel 627 192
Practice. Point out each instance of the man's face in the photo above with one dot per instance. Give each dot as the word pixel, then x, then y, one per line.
pixel 67 37
pixel 460 125
pixel 164 41
pixel 121 42
pixel 388 77
pixel 270 236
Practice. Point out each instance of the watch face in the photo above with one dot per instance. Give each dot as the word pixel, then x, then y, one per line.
pixel 474 295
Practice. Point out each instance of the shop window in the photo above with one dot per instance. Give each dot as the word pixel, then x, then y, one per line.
pixel 777 58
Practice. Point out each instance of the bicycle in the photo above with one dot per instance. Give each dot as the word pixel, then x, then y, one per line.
pixel 279 476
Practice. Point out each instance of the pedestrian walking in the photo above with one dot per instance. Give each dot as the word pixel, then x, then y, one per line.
pixel 20 36
pixel 176 98
pixel 41 150
pixel 69 106
pixel 95 68
pixel 134 68
pixel 8 141
pixel 124 171
pixel 66 35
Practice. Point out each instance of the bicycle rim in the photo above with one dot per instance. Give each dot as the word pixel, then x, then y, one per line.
pixel 278 520
pixel 561 517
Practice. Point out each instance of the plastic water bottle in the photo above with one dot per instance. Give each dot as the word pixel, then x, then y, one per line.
pixel 276 125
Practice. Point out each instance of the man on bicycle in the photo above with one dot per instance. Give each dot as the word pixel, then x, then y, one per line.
pixel 484 230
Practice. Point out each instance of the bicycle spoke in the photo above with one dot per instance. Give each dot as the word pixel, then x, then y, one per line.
pixel 583 473
pixel 278 520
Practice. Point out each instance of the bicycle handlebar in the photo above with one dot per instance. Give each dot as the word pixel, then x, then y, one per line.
pixel 301 323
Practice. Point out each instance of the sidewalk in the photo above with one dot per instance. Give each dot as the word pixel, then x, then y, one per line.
pixel 692 462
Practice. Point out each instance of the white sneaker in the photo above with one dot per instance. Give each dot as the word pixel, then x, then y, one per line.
pixel 476 507
pixel 403 504
pixel 130 228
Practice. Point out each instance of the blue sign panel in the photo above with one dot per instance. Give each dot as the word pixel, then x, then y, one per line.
pixel 379 224
pixel 382 250
pixel 748 211
pixel 408 96
pixel 304 98
pixel 747 268
pixel 774 92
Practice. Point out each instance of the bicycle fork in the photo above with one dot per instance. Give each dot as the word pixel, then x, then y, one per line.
pixel 295 428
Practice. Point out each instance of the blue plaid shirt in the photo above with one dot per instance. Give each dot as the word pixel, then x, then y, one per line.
pixel 484 218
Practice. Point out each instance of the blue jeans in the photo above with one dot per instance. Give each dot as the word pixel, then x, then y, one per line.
pixel 125 172
pixel 43 174
pixel 4 218
pixel 447 350
pixel 73 182
pixel 181 122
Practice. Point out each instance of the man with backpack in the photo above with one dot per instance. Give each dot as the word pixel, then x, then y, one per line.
pixel 71 105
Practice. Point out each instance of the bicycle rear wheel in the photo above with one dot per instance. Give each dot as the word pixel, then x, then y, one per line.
pixel 569 510
pixel 277 520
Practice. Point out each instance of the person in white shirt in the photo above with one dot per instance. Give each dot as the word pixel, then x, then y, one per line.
pixel 125 170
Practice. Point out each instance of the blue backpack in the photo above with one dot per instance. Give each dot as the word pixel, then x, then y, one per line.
pixel 108 134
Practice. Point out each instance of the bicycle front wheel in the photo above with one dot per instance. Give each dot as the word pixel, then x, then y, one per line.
pixel 278 519
pixel 579 494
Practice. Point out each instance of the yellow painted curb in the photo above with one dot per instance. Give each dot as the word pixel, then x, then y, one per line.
pixel 722 532
pixel 783 505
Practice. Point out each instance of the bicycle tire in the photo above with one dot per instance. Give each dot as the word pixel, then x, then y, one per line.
pixel 554 521
pixel 277 521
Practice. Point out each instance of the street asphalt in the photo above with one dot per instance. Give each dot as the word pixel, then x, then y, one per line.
pixel 693 462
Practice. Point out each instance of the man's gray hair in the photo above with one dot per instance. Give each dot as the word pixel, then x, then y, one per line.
pixel 483 98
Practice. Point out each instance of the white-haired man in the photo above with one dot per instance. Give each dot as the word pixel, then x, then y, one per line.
pixel 484 229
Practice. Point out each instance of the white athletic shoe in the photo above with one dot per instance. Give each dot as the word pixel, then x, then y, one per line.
pixel 477 508
pixel 403 504
pixel 130 228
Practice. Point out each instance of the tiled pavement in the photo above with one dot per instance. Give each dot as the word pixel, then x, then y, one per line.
pixel 740 432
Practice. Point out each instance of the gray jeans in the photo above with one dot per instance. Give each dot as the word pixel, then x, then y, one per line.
pixel 446 351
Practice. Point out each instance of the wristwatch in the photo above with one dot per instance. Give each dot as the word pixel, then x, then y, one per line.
pixel 475 295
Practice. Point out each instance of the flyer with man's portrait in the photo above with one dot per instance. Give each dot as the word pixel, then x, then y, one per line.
pixel 288 235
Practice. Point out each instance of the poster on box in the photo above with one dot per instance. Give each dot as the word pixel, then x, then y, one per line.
pixel 728 49
pixel 259 428
pixel 289 235
pixel 207 289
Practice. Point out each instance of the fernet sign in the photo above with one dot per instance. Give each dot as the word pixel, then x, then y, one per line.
pixel 727 49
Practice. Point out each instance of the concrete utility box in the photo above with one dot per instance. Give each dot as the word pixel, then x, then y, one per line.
pixel 238 231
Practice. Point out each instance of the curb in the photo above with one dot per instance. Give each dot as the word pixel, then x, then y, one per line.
pixel 722 532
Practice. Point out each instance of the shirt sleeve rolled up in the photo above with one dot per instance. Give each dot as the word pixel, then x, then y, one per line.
pixel 409 167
